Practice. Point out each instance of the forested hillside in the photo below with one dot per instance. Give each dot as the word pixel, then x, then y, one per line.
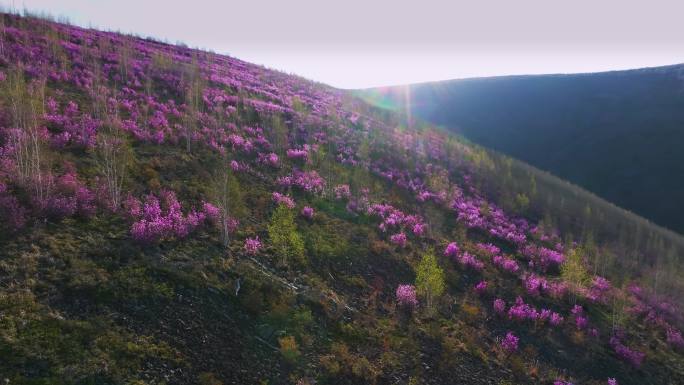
pixel 618 134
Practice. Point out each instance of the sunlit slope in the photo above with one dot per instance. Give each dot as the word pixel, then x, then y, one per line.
pixel 174 216
pixel 618 134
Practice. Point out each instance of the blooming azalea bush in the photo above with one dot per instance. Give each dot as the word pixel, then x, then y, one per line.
pixel 634 357
pixel 342 191
pixel 285 200
pixel 398 239
pixel 308 181
pixel 499 306
pixel 468 260
pixel 252 245
pixel 298 154
pixel 510 342
pixel 451 250
pixel 156 220
pixel 13 212
pixel 308 212
pixel 481 287
pixel 406 297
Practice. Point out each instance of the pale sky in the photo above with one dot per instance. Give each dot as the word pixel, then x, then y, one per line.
pixel 365 43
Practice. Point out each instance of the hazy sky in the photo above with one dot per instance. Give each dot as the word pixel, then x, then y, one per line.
pixel 364 43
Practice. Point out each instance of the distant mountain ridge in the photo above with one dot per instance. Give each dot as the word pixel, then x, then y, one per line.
pixel 618 134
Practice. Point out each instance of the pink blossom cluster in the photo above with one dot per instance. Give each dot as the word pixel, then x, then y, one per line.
pixel 399 239
pixel 252 245
pixel 509 265
pixel 510 342
pixel 543 257
pixel 534 284
pixel 297 154
pixel 393 218
pixel 674 337
pixel 406 296
pixel 419 229
pixel 481 287
pixel 239 143
pixel 657 313
pixel 581 320
pixel 488 249
pixel 46 195
pixel 499 306
pixel 600 287
pixel 634 357
pixel 212 212
pixel 308 212
pixel 156 220
pixel 522 311
pixel 270 159
pixel 477 213
pixel 281 199
pixel 308 181
pixel 451 250
pixel 342 191
pixel 68 197
pixel 14 214
pixel 70 126
pixel 468 260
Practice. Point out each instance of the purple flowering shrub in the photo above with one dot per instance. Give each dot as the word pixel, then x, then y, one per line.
pixel 406 297
pixel 13 213
pixel 395 219
pixel 510 343
pixel 488 249
pixel 468 260
pixel 398 239
pixel 635 358
pixel 68 197
pixel 507 264
pixel 156 220
pixel 298 154
pixel 308 181
pixel 285 200
pixel 308 212
pixel 252 245
pixel 481 287
pixel 451 250
pixel 581 320
pixel 342 191
pixel 499 306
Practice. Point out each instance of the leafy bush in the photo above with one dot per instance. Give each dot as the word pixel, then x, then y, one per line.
pixel 430 279
pixel 289 349
pixel 285 240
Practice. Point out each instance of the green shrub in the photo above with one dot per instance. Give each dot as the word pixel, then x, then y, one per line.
pixel 289 349
pixel 430 279
pixel 285 240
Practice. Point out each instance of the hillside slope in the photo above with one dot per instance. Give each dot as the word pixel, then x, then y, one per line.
pixel 173 216
pixel 618 134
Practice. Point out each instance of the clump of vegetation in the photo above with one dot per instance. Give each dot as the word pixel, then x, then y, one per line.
pixel 430 279
pixel 284 238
